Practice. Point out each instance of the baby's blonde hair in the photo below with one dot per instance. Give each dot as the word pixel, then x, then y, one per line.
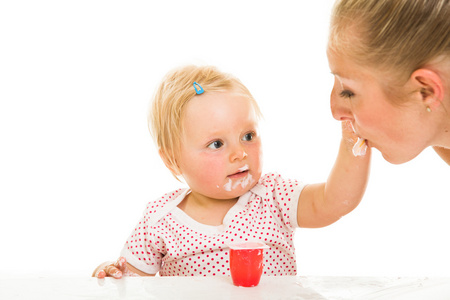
pixel 175 91
pixel 396 37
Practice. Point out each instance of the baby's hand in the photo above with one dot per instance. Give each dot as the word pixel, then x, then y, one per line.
pixel 116 270
pixel 348 133
pixel 354 143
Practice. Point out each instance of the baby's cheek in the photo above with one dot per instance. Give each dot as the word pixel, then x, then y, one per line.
pixel 212 173
pixel 256 158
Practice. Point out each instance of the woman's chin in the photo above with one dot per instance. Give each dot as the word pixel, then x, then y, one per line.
pixel 398 158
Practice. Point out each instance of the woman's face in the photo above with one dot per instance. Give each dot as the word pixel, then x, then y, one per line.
pixel 399 132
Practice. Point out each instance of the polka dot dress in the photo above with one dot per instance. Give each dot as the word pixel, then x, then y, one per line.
pixel 168 241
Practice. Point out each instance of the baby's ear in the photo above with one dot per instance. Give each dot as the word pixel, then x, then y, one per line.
pixel 173 168
pixel 430 85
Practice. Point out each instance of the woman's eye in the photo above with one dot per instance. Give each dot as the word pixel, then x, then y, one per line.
pixel 346 94
pixel 249 136
pixel 215 145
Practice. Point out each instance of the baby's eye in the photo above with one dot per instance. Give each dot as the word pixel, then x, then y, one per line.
pixel 249 136
pixel 346 94
pixel 215 145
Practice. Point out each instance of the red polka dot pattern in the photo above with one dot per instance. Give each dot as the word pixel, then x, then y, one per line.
pixel 176 249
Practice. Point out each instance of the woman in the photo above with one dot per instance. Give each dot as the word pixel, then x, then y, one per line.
pixel 391 62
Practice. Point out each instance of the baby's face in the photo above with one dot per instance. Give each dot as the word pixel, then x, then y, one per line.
pixel 221 155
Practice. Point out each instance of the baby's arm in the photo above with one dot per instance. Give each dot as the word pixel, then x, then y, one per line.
pixel 322 204
pixel 117 270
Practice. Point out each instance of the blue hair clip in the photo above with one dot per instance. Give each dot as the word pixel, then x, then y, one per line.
pixel 198 88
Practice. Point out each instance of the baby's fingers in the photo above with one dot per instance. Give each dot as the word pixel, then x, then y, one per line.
pixel 100 274
pixel 108 269
pixel 355 143
pixel 121 263
pixel 348 132
pixel 113 271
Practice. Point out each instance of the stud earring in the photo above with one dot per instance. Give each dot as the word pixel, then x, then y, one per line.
pixel 428 109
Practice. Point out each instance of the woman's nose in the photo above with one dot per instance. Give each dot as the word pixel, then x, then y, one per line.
pixel 340 107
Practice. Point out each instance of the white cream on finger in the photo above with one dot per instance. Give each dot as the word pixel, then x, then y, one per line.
pixel 360 147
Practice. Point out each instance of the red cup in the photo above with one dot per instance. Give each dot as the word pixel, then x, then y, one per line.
pixel 246 263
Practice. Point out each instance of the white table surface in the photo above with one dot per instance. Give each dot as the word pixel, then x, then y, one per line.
pixel 288 287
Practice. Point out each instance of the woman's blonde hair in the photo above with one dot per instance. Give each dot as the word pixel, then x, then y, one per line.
pixel 175 91
pixel 395 36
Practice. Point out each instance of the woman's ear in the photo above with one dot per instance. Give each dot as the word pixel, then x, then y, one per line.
pixel 174 169
pixel 430 85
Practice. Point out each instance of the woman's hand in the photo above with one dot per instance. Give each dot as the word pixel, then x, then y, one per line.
pixel 116 270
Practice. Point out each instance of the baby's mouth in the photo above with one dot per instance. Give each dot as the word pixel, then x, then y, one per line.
pixel 241 172
pixel 242 178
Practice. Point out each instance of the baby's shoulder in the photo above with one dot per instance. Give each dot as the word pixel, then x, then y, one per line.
pixel 271 180
pixel 271 183
pixel 164 203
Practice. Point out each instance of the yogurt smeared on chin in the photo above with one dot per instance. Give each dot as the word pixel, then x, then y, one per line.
pixel 243 182
pixel 227 186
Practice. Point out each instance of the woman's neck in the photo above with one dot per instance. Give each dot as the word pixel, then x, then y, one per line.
pixel 443 139
pixel 442 144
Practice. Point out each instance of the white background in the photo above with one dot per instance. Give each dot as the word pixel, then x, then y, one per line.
pixel 77 164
